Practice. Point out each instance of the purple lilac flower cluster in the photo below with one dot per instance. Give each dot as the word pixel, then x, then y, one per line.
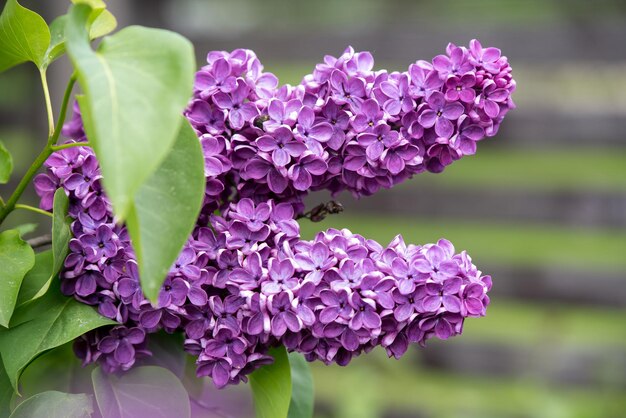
pixel 346 126
pixel 245 281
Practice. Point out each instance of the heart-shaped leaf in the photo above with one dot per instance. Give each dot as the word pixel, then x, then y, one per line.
pixel 59 370
pixel 24 36
pixel 166 352
pixel 54 404
pixel 271 386
pixel 147 391
pixel 16 258
pixel 6 164
pixel 94 4
pixel 46 323
pixel 24 229
pixel 103 24
pixel 302 394
pixel 167 205
pixel 57 40
pixel 61 233
pixel 136 86
pixel 101 21
pixel 37 280
pixel 6 392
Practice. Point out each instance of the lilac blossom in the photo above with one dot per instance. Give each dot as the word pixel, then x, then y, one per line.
pixel 468 133
pixel 336 305
pixel 399 99
pixel 315 262
pixel 486 58
pixel 443 294
pixel 339 119
pixel 209 116
pixel 376 141
pixel 456 63
pixel 283 313
pixel 63 163
pixel 263 169
pixel 350 91
pixel 118 350
pixel 281 277
pixel 369 116
pixel 311 132
pixel 282 145
pixel 440 113
pixel 491 97
pixel 239 111
pixel 396 158
pixel 423 80
pixel 437 261
pixel 80 183
pixel 246 281
pixel 302 172
pixel 461 88
pixel 219 79
pixel 281 113
pixel 46 184
pixel 103 243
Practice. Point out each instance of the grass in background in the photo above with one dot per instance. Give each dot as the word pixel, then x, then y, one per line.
pixel 495 243
pixel 373 384
pixel 538 170
pixel 322 14
pixel 524 324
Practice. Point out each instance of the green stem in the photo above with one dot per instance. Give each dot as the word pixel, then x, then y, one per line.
pixel 46 94
pixel 32 170
pixel 70 145
pixel 46 152
pixel 33 209
pixel 64 104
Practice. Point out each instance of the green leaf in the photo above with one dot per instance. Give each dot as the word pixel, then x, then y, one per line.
pixel 59 370
pixel 24 36
pixel 57 40
pixel 94 4
pixel 51 371
pixel 42 325
pixel 302 394
pixel 61 233
pixel 136 86
pixel 6 392
pixel 24 229
pixel 16 258
pixel 54 404
pixel 103 24
pixel 147 391
pixel 37 280
pixel 271 386
pixel 166 352
pixel 167 205
pixel 6 164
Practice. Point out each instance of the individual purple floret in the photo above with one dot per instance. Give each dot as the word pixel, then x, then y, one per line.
pixel 117 350
pixel 245 281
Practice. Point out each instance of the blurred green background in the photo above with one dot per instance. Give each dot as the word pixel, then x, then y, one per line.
pixel 541 207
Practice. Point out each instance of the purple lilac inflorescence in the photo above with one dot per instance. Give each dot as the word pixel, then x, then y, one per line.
pixel 245 280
